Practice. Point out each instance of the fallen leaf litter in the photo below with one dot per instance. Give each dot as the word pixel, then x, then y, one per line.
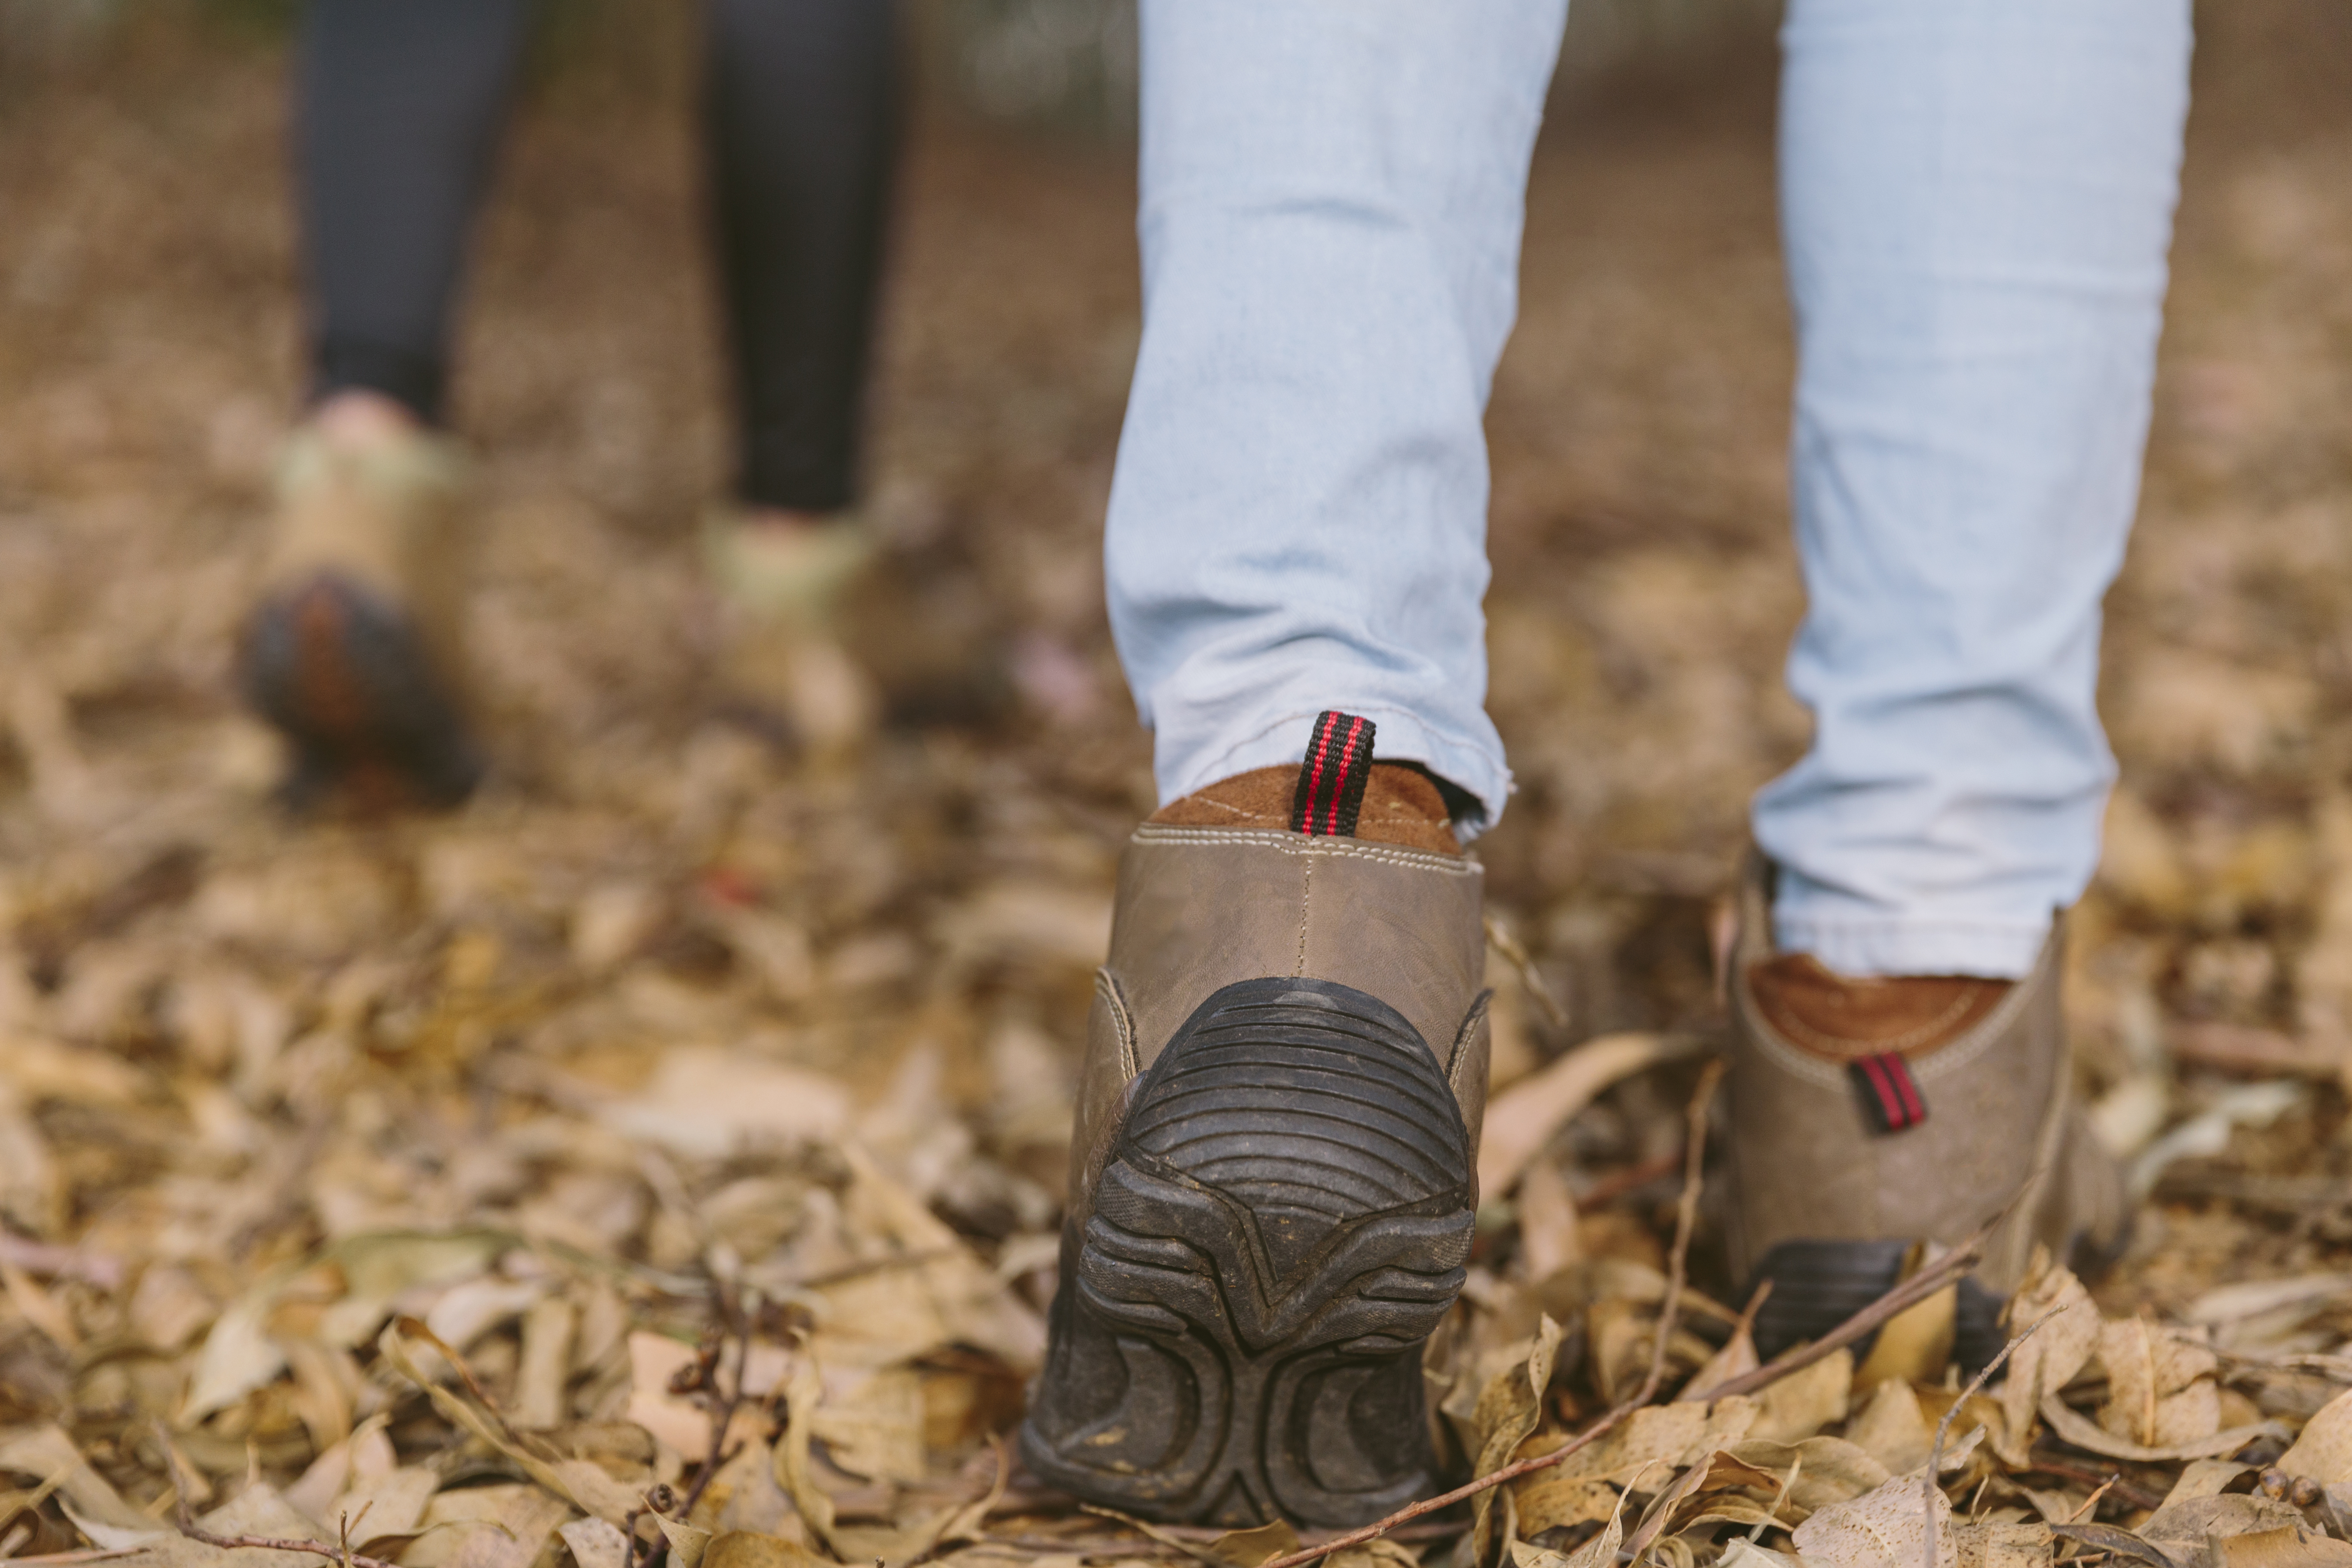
pixel 662 1157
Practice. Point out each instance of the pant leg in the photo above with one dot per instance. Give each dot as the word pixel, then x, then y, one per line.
pixel 1332 197
pixel 400 104
pixel 1977 199
pixel 803 127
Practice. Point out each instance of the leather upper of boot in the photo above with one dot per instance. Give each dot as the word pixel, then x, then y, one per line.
pixel 1843 1017
pixel 1217 888
pixel 1401 806
pixel 1901 1108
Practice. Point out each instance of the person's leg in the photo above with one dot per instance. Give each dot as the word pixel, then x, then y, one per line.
pixel 355 646
pixel 800 105
pixel 399 106
pixel 1976 199
pixel 1332 196
pixel 1977 203
pixel 1274 1169
pixel 802 119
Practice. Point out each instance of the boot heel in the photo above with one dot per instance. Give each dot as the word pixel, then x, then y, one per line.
pixel 1283 1220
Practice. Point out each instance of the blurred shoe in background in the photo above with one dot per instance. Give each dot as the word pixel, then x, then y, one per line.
pixel 355 649
pixel 781 580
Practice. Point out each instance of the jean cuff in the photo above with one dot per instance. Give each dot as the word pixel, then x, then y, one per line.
pixel 1894 945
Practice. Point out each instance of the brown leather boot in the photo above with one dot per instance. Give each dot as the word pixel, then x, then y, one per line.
pixel 355 650
pixel 1274 1172
pixel 1868 1115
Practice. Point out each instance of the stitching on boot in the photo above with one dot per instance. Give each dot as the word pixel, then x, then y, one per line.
pixel 1470 1021
pixel 1300 844
pixel 1306 907
pixel 1106 987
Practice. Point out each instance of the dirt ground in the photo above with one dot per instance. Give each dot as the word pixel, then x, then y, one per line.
pixel 675 1027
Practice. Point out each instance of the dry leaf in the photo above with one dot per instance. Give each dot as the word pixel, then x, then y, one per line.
pixel 2084 1433
pixel 2323 1451
pixel 1883 1528
pixel 2048 1360
pixel 1508 1411
pixel 1891 1428
pixel 876 1430
pixel 1913 1346
pixel 1807 1399
pixel 1989 1543
pixel 2289 1546
pixel 2183 1529
pixel 2160 1389
pixel 1248 1548
pixel 2203 1477
pixel 1600 1552
pixel 595 1543
pixel 1522 1119
pixel 753 1549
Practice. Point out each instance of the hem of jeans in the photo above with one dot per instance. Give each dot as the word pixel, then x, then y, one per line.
pixel 1403 736
pixel 1989 950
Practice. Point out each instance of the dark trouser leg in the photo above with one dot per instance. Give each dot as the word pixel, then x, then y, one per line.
pixel 803 130
pixel 399 103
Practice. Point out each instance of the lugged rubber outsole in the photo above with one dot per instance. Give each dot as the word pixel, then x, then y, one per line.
pixel 344 676
pixel 1282 1221
pixel 1817 1284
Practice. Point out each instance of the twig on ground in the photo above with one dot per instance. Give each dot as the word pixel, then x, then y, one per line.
pixel 184 1518
pixel 722 1407
pixel 1684 1220
pixel 2138 1497
pixel 1685 1223
pixel 1145 1527
pixel 1943 1428
pixel 1529 976
pixel 2090 1502
pixel 1780 1498
pixel 1677 1266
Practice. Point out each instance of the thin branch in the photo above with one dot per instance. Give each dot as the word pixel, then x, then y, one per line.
pixel 1509 946
pixel 1677 1263
pixel 2138 1497
pixel 722 1410
pixel 1944 1427
pixel 185 1519
pixel 1685 1223
pixel 1143 1527
pixel 1685 1219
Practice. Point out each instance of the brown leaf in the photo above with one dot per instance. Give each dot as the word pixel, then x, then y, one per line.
pixel 1248 1548
pixel 2160 1389
pixel 2289 1546
pixel 2047 1361
pixel 1889 1525
pixel 2084 1433
pixel 1807 1399
pixel 1891 1428
pixel 753 1549
pixel 2323 1451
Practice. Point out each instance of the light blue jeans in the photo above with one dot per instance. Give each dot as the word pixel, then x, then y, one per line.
pixel 1977 199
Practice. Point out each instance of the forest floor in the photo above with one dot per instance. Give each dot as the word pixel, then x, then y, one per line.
pixel 673 1032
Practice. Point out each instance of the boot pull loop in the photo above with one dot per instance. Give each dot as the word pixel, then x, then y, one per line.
pixel 1331 778
pixel 1889 1096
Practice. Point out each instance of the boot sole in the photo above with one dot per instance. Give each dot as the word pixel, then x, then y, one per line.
pixel 1817 1284
pixel 344 678
pixel 1283 1220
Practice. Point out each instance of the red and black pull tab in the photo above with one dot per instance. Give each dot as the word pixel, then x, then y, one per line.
pixel 1890 1097
pixel 1331 780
